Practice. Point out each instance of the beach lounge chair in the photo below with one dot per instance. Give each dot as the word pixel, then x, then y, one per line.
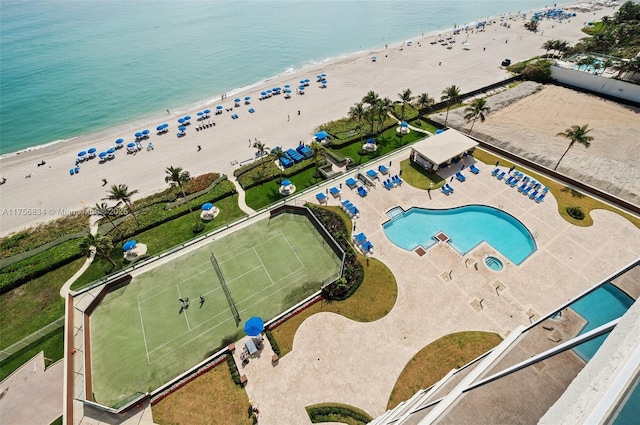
pixel 251 110
pixel 383 169
pixel 367 246
pixel 335 192
pixel 460 177
pixel 501 175
pixel 445 190
pixel 372 173
pixel 495 172
pixel 474 169
pixel 362 191
pixel 388 184
pixel 540 197
pixel 449 187
pixel 321 197
pixel 533 194
pixel 514 182
pixel 360 238
pixel 510 179
pixel 522 186
pixel 396 180
pixel 72 171
pixel 351 182
pixel 345 204
pixel 526 190
pixel 353 211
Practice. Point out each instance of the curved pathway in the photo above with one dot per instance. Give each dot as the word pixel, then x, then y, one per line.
pixel 93 229
pixel 241 198
pixel 419 130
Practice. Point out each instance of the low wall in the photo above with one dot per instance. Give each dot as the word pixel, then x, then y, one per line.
pixel 606 87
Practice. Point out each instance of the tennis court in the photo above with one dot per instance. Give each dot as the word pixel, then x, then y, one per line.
pixel 142 335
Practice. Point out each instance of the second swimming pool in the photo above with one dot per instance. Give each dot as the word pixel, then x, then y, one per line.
pixel 466 227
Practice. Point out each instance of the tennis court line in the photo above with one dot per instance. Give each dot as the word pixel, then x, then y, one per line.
pixel 233 253
pixel 206 263
pixel 244 274
pixel 265 269
pixel 185 314
pixel 292 248
pixel 144 336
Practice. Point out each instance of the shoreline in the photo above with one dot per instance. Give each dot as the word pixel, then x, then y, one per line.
pixel 144 120
pixel 349 78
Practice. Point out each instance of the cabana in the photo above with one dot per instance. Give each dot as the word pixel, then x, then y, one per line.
pixel 438 151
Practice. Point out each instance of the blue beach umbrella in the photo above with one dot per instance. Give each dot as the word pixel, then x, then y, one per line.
pixel 254 326
pixel 323 75
pixel 287 91
pixel 207 111
pixel 131 145
pixel 182 128
pixel 286 86
pixel 247 98
pixel 237 99
pixel 264 93
pixel 138 135
pixel 111 150
pixel 181 120
pixel 286 182
pixel 371 141
pixel 82 153
pixel 119 141
pixel 129 245
pixel 404 124
pixel 187 117
pixel 307 80
pixel 92 150
pixel 102 154
pixel 145 132
pixel 165 125
pixel 301 88
pixel 301 81
pixel 160 127
pixel 200 114
pixel 207 207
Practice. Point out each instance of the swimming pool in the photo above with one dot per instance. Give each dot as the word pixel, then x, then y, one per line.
pixel 466 227
pixel 601 306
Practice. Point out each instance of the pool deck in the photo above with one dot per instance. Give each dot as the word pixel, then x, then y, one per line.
pixel 335 359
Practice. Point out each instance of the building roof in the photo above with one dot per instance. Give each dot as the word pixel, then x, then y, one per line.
pixel 442 147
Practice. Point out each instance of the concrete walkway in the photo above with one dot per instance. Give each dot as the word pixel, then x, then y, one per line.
pixel 241 198
pixel 93 229
pixel 335 359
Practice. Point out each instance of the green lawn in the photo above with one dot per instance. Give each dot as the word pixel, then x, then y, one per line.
pixel 418 177
pixel 161 238
pixel 387 142
pixel 267 193
pixel 52 345
pixel 141 337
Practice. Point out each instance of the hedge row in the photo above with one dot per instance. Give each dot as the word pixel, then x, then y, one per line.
pixel 334 413
pixel 249 180
pixel 273 342
pixel 235 375
pixel 30 268
pixel 250 166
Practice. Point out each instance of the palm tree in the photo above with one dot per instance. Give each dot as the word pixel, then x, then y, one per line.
pixel 121 193
pixel 102 245
pixel 549 45
pixel 451 95
pixel 262 150
pixel 176 177
pixel 372 99
pixel 104 211
pixel 476 109
pixel 576 134
pixel 316 149
pixel 405 97
pixel 357 112
pixel 381 110
pixel 279 154
pixel 424 101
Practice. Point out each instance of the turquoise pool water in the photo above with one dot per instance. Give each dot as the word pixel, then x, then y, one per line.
pixel 466 227
pixel 494 263
pixel 599 307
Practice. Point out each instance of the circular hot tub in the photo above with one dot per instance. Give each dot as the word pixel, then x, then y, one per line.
pixel 493 263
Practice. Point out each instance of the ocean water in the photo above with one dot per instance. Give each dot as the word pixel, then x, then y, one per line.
pixel 70 68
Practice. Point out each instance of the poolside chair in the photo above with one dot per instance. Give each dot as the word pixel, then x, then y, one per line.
pixel 514 182
pixel 345 204
pixel 449 187
pixel 383 169
pixel 526 190
pixel 321 197
pixel 388 184
pixel 522 186
pixel 460 177
pixel 72 171
pixel 445 190
pixel 540 197
pixel 360 238
pixel 367 247
pixel 353 211
pixel 351 182
pixel 501 175
pixel 372 174
pixel 533 194
pixel 335 192
pixel 474 169
pixel 510 179
pixel 396 180
pixel 495 172
pixel 362 191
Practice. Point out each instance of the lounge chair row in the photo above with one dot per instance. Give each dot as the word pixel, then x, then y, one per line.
pixel 361 241
pixel 204 126
pixel 394 181
pixel 525 184
pixel 349 208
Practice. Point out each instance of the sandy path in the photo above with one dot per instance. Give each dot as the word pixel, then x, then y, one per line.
pixel 51 191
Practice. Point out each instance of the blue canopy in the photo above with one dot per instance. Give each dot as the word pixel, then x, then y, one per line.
pixel 307 80
pixel 82 153
pixel 207 111
pixel 404 124
pixel 301 81
pixel 219 107
pixel 287 91
pixel 165 125
pixel 187 117
pixel 181 120
pixel 138 135
pixel 286 86
pixel 129 245
pixel 160 127
pixel 92 150
pixel 438 131
pixel 200 114
pixel 237 99
pixel 301 88
pixel 119 141
pixel 145 132
pixel 323 75
pixel 131 145
pixel 207 207
pixel 102 154
pixel 286 182
pixel 264 93
pixel 247 98
pixel 254 326
pixel 321 135
pixel 111 150
pixel 371 140
pixel 182 128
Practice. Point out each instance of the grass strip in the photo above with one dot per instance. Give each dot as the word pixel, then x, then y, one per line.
pixel 337 412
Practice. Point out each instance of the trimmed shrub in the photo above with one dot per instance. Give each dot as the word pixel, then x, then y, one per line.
pixel 575 212
pixel 273 342
pixel 538 72
pixel 335 412
pixel 235 375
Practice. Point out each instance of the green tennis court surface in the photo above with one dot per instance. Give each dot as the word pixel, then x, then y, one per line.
pixel 142 336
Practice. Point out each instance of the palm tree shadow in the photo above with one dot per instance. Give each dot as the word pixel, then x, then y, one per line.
pixel 574 193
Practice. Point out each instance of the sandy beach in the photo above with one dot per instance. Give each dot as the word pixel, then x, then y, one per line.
pixel 35 194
